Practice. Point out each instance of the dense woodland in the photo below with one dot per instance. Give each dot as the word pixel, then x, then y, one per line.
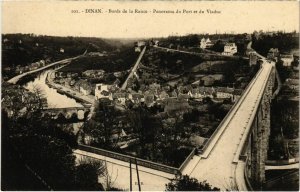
pixel 283 41
pixel 23 49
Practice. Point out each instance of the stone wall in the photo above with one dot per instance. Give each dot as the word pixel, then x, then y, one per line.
pixel 258 141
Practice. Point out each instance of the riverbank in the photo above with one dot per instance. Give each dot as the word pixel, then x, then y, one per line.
pixel 15 79
pixel 88 99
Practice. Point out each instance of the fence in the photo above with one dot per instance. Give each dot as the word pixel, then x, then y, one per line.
pixel 142 162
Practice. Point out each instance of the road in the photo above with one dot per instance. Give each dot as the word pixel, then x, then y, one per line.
pixel 133 69
pixel 279 84
pixel 75 94
pixel 218 165
pixel 151 180
pixel 15 79
pixel 195 53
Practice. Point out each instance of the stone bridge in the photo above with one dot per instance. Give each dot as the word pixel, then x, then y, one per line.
pixel 78 113
pixel 235 155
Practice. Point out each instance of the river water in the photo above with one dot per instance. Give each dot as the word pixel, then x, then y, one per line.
pixel 54 99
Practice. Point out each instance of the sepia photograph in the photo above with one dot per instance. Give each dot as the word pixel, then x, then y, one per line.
pixel 149 95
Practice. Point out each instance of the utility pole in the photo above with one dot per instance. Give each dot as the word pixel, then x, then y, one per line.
pixel 137 173
pixel 130 174
pixel 106 171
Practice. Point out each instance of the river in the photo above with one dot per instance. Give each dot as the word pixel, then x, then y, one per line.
pixel 54 99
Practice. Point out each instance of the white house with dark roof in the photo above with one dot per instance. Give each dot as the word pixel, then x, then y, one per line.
pixel 287 59
pixel 102 91
pixel 230 49
pixel 205 43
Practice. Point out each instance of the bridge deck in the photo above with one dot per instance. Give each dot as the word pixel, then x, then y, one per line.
pixel 123 87
pixel 218 167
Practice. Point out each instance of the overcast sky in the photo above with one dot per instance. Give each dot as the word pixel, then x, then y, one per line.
pixel 55 18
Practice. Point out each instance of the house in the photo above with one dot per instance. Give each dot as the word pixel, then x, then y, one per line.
pixel 67 82
pixel 252 58
pixel 116 134
pixel 137 49
pixel 229 49
pixel 120 97
pixel 136 98
pixel 273 54
pixel 96 54
pixel 163 95
pixel 7 69
pixel 140 43
pixel 174 94
pixel 237 94
pixel 155 87
pixel 206 92
pixel 218 77
pixel 94 73
pixel 58 74
pixel 196 140
pixel 208 80
pixel 42 62
pixel 19 70
pixel 292 84
pixel 287 59
pixel 149 98
pixel 195 93
pixel 102 91
pixel 224 92
pixel 205 43
pixel 85 88
pixel 183 97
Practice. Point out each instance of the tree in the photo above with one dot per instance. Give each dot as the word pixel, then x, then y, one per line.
pixel 148 129
pixel 101 125
pixel 185 183
pixel 33 142
pixel 87 173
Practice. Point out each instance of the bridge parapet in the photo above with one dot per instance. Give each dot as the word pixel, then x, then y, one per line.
pixel 253 153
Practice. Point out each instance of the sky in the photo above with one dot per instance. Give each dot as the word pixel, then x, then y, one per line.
pixel 55 18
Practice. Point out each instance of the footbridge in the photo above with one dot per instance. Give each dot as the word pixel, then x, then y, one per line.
pixel 234 157
pixel 79 113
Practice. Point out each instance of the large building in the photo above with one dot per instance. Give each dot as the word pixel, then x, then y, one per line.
pixel 205 43
pixel 287 59
pixel 102 91
pixel 230 49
